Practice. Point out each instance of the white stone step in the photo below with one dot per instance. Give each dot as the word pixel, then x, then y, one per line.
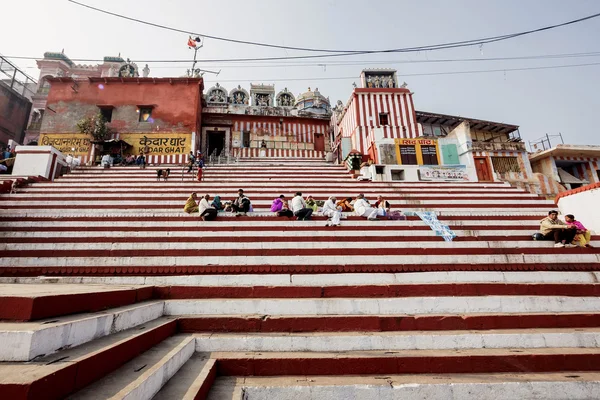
pixel 524 386
pixel 267 245
pixel 194 222
pixel 82 231
pixel 573 258
pixel 397 341
pixel 264 205
pixel 157 212
pixel 28 340
pixel 144 376
pixel 189 380
pixel 385 306
pixel 352 279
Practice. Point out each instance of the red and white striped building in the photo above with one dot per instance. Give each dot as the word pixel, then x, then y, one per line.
pixel 262 124
pixel 379 108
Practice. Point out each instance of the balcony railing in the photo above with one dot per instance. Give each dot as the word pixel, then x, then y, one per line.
pixel 498 146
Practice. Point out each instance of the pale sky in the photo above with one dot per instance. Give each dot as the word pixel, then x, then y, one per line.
pixel 540 101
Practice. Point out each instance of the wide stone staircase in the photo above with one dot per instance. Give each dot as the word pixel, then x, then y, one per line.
pixel 108 290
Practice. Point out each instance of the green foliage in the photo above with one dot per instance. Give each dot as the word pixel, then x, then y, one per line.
pixel 95 126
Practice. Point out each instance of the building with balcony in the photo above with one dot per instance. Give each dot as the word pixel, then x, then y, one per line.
pixel 495 150
pixel 379 125
pixel 566 167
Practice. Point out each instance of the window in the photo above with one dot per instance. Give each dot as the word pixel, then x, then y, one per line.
pixel 437 131
pixel 106 113
pixel 384 119
pixel 503 165
pixel 246 139
pixel 145 114
pixel 429 154
pixel 408 155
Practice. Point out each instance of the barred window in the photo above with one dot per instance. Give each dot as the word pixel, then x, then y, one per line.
pixel 503 165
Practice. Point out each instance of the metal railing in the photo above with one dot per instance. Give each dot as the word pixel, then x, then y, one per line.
pixel 221 158
pixel 498 146
pixel 16 79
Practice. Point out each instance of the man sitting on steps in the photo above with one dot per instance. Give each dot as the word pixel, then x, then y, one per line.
pixel 364 209
pixel 553 228
pixel 241 204
pixel 301 212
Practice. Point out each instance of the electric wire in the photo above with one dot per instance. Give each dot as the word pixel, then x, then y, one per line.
pixel 464 43
pixel 413 74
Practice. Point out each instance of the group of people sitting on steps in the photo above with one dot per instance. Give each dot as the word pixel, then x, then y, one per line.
pixel 300 208
pixel 570 233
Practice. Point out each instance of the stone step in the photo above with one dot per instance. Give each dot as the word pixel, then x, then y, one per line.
pixel 283 324
pixel 192 381
pixel 276 189
pixel 264 197
pixel 28 340
pixel 306 261
pixel 469 361
pixel 32 302
pixel 326 280
pixel 256 244
pixel 521 385
pixel 143 377
pixel 58 375
pixel 584 338
pixel 367 290
pixel 385 306
pixel 262 204
pixel 268 223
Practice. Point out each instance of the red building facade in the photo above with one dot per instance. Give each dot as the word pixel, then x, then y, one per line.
pixel 159 116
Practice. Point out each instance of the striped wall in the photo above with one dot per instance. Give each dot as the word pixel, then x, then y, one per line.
pixel 362 116
pixel 301 131
pixel 278 153
pixel 587 168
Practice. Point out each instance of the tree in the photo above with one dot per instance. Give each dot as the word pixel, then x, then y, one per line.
pixel 95 126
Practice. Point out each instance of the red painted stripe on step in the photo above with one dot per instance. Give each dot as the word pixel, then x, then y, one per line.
pixel 451 364
pixel 146 270
pixel 46 306
pixel 535 218
pixel 376 323
pixel 375 291
pixel 77 374
pixel 229 252
pixel 256 239
pixel 207 383
pixel 438 207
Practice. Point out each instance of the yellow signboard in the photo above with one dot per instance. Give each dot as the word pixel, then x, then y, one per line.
pixel 77 144
pixel 158 143
pixel 412 147
pixel 414 142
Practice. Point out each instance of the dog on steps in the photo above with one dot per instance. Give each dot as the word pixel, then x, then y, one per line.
pixel 163 173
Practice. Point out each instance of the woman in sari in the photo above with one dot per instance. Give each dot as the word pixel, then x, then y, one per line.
pixel 583 236
pixel 345 204
pixel 216 203
pixel 190 205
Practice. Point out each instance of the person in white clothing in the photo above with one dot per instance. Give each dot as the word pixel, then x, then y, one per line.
pixel 364 209
pixel 331 210
pixel 301 212
pixel 207 212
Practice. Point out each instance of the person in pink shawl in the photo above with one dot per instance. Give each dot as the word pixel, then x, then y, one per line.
pixel 583 236
pixel 281 207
